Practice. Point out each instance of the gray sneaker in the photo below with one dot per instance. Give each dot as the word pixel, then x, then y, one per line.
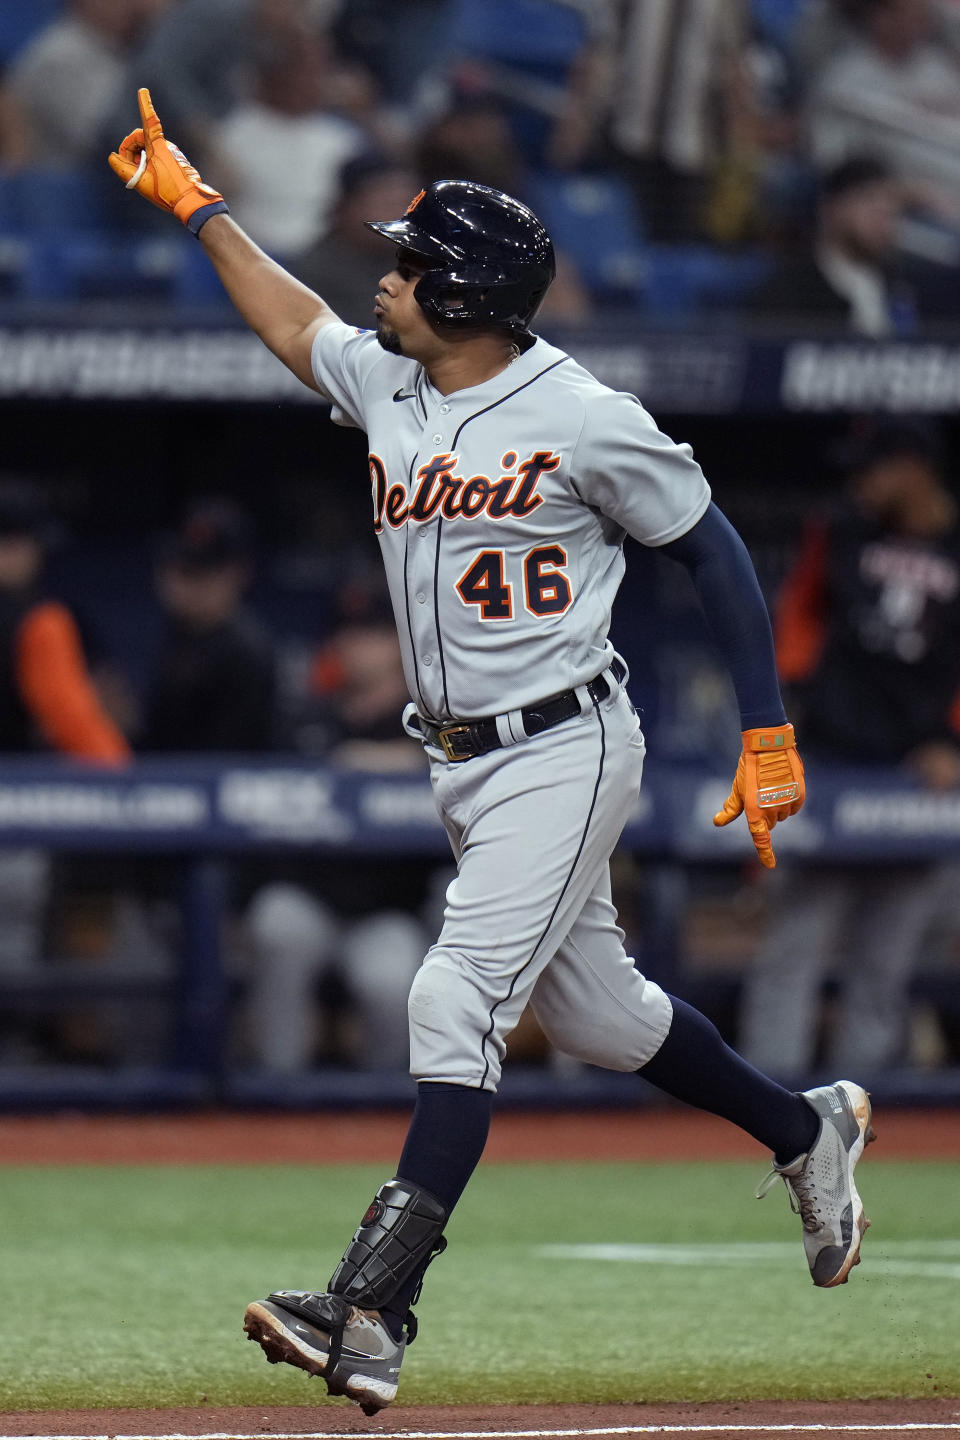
pixel 325 1335
pixel 820 1183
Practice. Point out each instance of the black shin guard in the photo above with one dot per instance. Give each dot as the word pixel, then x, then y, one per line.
pixel 397 1238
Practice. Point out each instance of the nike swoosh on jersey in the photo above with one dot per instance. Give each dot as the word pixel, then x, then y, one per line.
pixel 399 395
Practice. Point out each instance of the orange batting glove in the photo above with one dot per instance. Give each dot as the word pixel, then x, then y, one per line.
pixel 150 163
pixel 767 787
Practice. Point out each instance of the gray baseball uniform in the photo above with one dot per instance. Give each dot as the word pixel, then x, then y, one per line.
pixel 501 512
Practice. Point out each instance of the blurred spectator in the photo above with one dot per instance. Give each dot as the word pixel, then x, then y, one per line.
pixel 286 128
pixel 546 61
pixel 848 278
pixel 337 919
pixel 20 20
pixel 894 90
pixel 824 27
pixel 313 920
pixel 49 702
pixel 196 60
pixel 398 44
pixel 761 186
pixel 473 140
pixel 676 106
pixel 345 265
pixel 212 690
pixel 214 684
pixel 868 640
pixel 63 86
pixel 16 139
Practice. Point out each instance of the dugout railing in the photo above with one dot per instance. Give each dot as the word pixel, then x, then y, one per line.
pixel 209 813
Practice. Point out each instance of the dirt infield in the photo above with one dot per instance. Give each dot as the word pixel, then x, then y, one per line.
pixel 348 1138
pixel 860 1417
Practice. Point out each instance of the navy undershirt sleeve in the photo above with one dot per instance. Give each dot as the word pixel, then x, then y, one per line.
pixel 729 592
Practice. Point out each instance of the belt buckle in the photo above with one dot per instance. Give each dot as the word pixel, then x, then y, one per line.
pixel 446 737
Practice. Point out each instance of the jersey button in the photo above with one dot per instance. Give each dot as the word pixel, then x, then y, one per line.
pixel 444 409
pixel 438 439
pixel 421 598
pixel 427 659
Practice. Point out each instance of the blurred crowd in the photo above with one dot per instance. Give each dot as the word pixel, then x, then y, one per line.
pixel 781 159
pixel 782 163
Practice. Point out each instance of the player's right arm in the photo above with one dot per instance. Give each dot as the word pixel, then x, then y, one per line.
pixel 285 314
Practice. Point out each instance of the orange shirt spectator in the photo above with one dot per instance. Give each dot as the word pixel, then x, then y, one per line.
pixel 47 697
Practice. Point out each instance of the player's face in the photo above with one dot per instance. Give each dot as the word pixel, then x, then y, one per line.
pixel 402 327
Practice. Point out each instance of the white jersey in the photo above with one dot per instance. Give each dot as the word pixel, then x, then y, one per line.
pixel 501 511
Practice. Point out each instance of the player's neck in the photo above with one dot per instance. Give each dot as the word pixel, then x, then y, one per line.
pixel 461 366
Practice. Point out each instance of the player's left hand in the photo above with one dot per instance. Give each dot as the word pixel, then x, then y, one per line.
pixel 767 787
pixel 149 163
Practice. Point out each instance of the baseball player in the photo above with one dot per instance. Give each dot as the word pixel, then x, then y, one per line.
pixel 504 480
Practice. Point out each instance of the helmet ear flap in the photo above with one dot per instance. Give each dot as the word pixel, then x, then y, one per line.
pixel 446 300
pixel 489 299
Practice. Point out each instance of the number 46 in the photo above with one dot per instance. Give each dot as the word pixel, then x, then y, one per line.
pixel 546 590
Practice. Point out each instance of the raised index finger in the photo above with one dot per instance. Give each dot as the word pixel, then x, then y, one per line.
pixel 152 128
pixel 763 844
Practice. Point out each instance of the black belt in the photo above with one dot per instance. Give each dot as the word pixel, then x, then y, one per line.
pixel 463 740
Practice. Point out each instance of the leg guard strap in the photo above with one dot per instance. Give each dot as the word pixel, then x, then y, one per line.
pixel 327 1312
pixel 400 1233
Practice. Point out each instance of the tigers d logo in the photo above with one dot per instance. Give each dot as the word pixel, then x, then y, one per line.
pixel 415 202
pixel 374 1213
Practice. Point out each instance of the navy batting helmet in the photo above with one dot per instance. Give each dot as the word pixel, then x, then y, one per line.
pixel 491 261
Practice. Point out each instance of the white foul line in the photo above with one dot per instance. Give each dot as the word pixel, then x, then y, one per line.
pixel 928 1260
pixel 794 1429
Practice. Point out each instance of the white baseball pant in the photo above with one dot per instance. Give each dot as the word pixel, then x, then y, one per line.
pixel 529 915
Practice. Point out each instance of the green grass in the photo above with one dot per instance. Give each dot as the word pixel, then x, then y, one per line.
pixel 127 1286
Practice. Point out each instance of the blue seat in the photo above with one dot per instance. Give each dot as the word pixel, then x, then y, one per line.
pixel 196 281
pixel 20 20
pixel 529 47
pixel 593 218
pixel 103 265
pixel 97 265
pixel 776 20
pixel 50 202
pixel 680 282
pixel 528 33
